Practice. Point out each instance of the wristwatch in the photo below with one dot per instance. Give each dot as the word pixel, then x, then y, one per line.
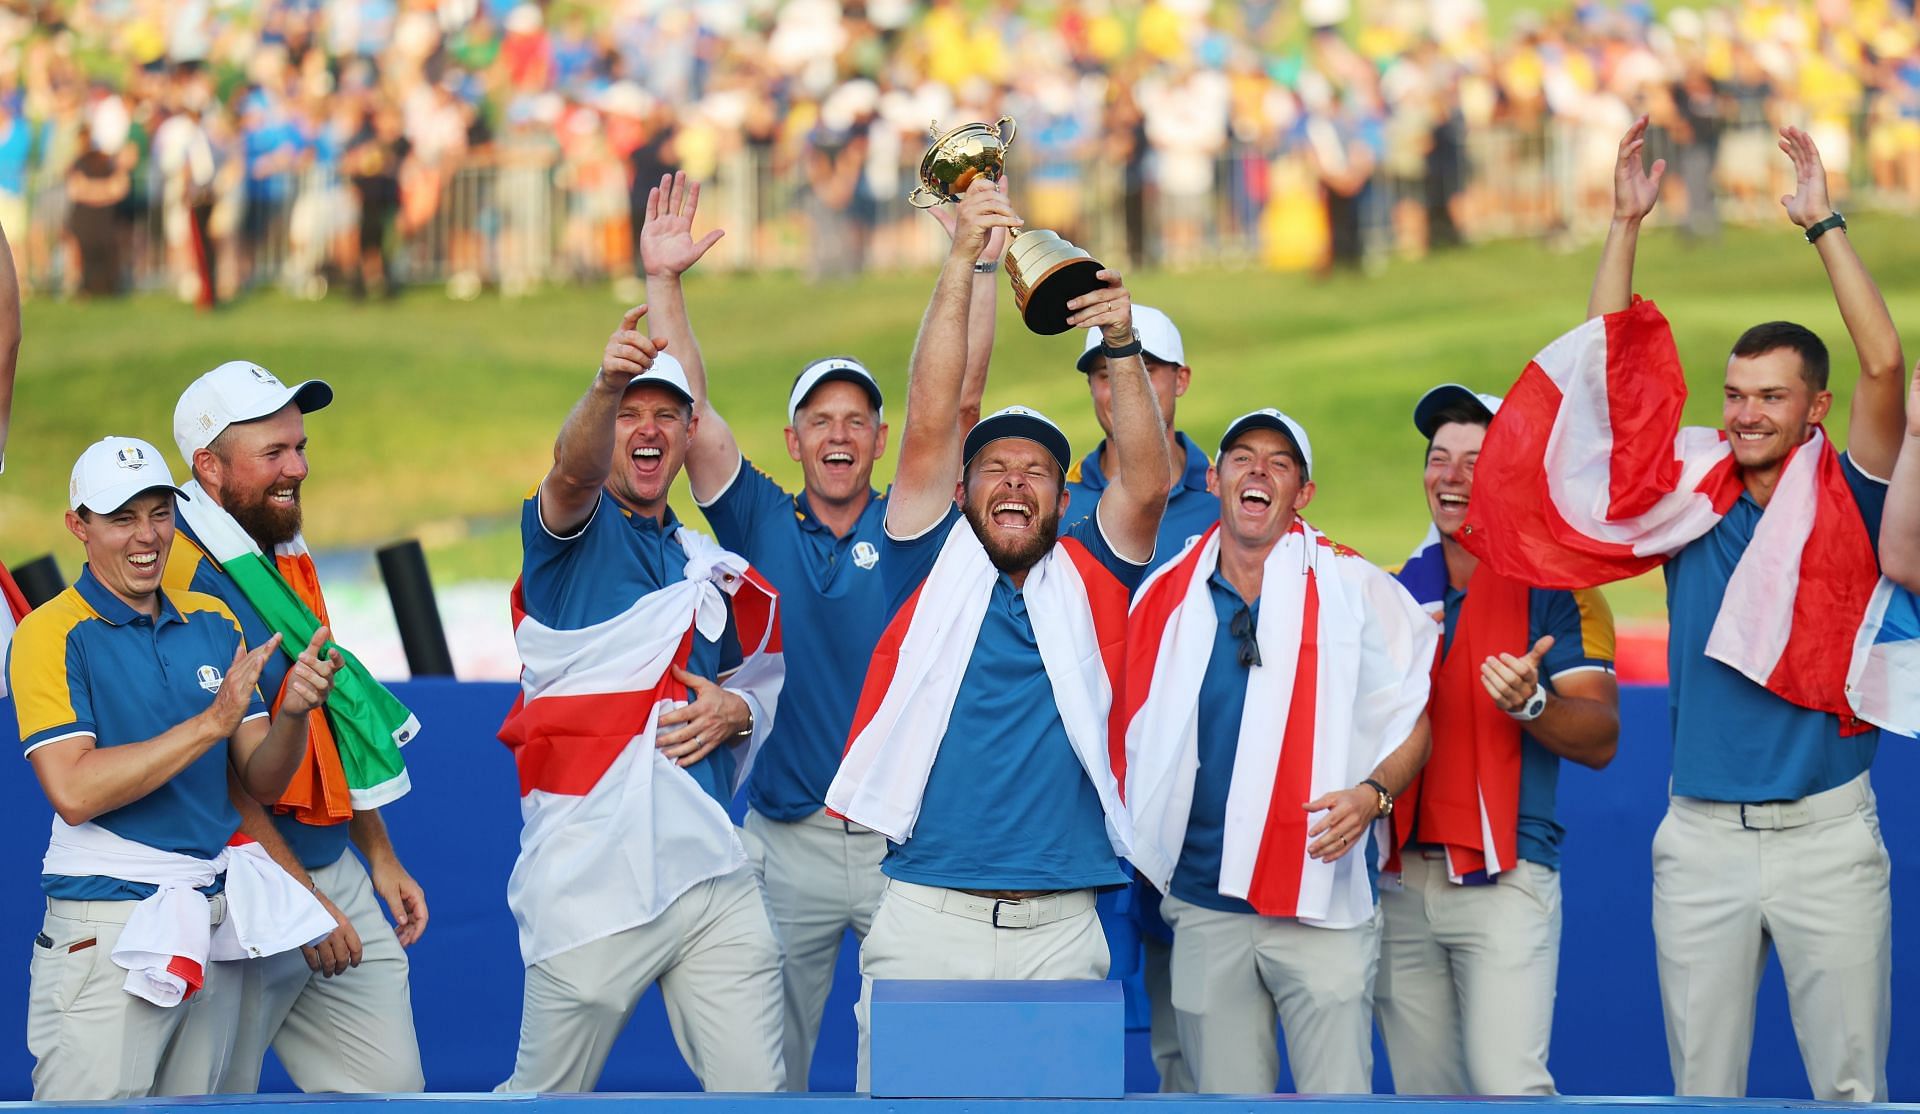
pixel 1820 228
pixel 1132 347
pixel 1535 704
pixel 985 266
pixel 1385 808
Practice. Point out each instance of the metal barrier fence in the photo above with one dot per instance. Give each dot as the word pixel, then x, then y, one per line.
pixel 512 222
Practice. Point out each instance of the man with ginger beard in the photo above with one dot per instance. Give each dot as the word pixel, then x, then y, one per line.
pixel 339 1015
pixel 822 549
pixel 980 745
pixel 629 749
pixel 1276 693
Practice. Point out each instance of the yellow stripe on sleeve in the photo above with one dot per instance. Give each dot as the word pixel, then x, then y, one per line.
pixel 1596 624
pixel 37 670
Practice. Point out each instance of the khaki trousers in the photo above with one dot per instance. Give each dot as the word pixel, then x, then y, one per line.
pixel 718 964
pixel 90 1039
pixel 1809 878
pixel 822 877
pixel 351 1033
pixel 927 932
pixel 1156 973
pixel 1467 978
pixel 1237 975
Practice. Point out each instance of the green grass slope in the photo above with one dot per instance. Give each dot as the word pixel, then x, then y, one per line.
pixel 446 411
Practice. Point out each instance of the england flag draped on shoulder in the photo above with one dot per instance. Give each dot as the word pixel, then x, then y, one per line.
pixel 1345 655
pixel 613 830
pixel 1587 476
pixel 1079 620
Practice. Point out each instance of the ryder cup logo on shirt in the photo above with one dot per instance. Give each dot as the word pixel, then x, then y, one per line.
pixel 865 555
pixel 209 678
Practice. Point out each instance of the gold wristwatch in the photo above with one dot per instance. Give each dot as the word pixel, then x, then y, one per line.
pixel 1385 808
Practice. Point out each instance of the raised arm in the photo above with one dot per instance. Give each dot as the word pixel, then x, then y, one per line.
pixel 930 448
pixel 9 339
pixel 980 315
pixel 1635 190
pixel 1875 422
pixel 1900 528
pixel 667 250
pixel 266 756
pixel 583 455
pixel 1136 496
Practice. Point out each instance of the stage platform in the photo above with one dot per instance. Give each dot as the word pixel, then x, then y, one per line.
pixel 645 1103
pixel 459 831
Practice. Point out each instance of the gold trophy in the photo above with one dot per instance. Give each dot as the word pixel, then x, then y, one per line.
pixel 1047 272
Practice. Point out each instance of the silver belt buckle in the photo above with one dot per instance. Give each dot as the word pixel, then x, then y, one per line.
pixel 1019 917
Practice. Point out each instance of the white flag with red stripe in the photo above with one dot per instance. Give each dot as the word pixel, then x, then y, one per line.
pixel 1587 477
pixel 1342 679
pixel 613 830
pixel 1079 613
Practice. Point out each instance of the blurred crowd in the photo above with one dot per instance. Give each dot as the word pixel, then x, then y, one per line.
pixel 353 144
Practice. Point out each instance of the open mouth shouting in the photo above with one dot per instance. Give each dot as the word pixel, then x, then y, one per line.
pixel 145 563
pixel 1012 514
pixel 1255 500
pixel 837 461
pixel 648 460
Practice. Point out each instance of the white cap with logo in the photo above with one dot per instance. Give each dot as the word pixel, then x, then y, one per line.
pixel 236 391
pixel 114 470
pixel 665 372
pixel 833 369
pixel 1159 340
pixel 1279 422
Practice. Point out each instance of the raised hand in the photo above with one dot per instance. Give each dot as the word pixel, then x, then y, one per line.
pixel 630 351
pixel 1110 308
pixel 311 678
pixel 690 732
pixel 1635 189
pixel 667 246
pixel 236 693
pixel 1807 204
pixel 983 210
pixel 1510 680
pixel 996 240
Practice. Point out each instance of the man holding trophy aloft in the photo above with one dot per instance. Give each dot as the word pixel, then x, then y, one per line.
pixel 980 745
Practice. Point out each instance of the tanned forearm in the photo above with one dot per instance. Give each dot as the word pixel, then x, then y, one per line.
pixel 980 329
pixel 1613 282
pixel 255 822
pixel 84 781
pixel 930 447
pixel 1581 722
pixel 1396 771
pixel 369 833
pixel 267 765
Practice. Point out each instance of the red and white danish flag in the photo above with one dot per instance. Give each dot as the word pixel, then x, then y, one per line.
pixel 1587 476
pixel 613 830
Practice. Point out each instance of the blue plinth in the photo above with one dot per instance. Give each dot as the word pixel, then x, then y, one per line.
pixel 986 1039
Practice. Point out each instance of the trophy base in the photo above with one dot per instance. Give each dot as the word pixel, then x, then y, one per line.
pixel 1045 308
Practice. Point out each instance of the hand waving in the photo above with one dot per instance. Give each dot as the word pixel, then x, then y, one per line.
pixel 1635 189
pixel 667 246
pixel 1807 204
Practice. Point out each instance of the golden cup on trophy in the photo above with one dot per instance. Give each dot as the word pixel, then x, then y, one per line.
pixel 1047 272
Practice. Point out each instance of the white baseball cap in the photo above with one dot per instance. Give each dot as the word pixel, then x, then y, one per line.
pixel 1270 418
pixel 1159 340
pixel 114 470
pixel 235 392
pixel 1450 396
pixel 844 369
pixel 665 372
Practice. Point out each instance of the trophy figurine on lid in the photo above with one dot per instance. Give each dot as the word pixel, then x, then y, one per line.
pixel 1047 272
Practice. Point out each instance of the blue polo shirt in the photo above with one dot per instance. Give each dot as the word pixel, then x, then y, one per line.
pixel 600 571
pixel 1582 628
pixel 833 608
pixel 87 664
pixel 1732 739
pixel 189 567
pixel 1007 805
pixel 1191 508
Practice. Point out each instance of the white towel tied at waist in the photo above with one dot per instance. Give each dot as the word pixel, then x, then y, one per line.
pixel 167 942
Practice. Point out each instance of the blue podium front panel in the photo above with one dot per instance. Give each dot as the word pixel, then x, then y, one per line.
pixel 991 1039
